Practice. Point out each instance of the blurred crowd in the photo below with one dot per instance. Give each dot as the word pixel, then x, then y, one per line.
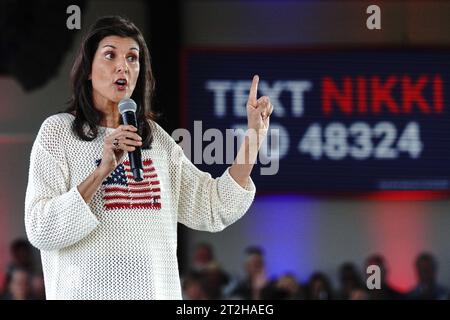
pixel 205 279
pixel 23 278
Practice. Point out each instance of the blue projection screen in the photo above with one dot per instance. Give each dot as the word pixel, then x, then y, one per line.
pixel 347 121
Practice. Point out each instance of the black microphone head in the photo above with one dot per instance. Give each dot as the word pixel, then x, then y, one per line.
pixel 127 105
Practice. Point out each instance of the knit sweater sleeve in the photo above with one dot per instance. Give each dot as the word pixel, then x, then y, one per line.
pixel 56 216
pixel 205 203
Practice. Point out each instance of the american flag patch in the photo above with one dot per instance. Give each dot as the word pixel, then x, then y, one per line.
pixel 120 191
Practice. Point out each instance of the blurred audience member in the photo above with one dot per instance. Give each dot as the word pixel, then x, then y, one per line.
pixel 319 287
pixel 22 256
pixel 358 294
pixel 350 282
pixel 256 279
pixel 194 287
pixel 289 284
pixel 38 287
pixel 386 292
pixel 427 287
pixel 203 262
pixel 215 279
pixel 18 285
pixel 203 255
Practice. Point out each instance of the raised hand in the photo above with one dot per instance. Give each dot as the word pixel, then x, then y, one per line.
pixel 258 110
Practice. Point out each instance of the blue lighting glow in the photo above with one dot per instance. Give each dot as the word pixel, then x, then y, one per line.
pixel 285 226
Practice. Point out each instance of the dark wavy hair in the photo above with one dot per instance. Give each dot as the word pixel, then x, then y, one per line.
pixel 81 102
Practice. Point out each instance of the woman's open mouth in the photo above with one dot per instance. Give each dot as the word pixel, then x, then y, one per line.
pixel 121 84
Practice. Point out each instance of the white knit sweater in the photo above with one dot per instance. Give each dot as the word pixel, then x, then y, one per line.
pixel 122 245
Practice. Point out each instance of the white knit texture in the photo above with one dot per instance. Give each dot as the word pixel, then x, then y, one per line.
pixel 91 251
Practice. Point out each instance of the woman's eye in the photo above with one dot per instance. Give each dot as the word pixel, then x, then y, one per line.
pixel 109 55
pixel 132 58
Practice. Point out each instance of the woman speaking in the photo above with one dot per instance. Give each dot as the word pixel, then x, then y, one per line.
pixel 101 233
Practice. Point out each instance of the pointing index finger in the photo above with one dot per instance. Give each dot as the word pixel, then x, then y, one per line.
pixel 252 97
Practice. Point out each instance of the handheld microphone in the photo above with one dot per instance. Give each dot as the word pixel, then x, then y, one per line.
pixel 127 108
